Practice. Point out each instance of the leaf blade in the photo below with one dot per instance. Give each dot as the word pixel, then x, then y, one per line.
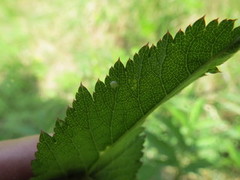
pixel 154 75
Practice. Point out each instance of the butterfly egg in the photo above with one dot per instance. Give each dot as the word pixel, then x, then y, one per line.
pixel 113 84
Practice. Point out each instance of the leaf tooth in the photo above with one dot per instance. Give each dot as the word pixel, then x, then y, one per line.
pixel 226 24
pixel 100 88
pixel 143 50
pixel 117 73
pixel 69 110
pixel 83 92
pixel 159 43
pixel 178 36
pixel 81 87
pixel 188 30
pixel 129 63
pixel 59 123
pixel 213 24
pixel 61 129
pixel 111 71
pixel 130 68
pixel 99 85
pixel 45 137
pixel 107 80
pixel 199 24
pixel 147 44
pixel 119 65
pixel 113 75
pixel 136 58
pixel 58 126
pixel 167 37
pixel 152 49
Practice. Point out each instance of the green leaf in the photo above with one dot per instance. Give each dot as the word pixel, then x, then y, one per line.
pixel 100 133
pixel 163 147
pixel 196 165
pixel 234 154
pixel 115 162
pixel 196 111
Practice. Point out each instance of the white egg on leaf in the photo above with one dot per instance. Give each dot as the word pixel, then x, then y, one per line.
pixel 114 84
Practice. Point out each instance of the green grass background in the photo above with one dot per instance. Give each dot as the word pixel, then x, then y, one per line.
pixel 48 47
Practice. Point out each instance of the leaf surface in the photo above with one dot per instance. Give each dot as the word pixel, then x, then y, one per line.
pixel 100 136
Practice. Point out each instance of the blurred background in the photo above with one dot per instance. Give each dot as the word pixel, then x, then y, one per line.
pixel 48 47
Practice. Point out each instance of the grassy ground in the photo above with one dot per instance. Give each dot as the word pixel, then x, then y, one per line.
pixel 48 47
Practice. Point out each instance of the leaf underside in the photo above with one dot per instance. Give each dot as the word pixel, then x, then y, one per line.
pixel 101 137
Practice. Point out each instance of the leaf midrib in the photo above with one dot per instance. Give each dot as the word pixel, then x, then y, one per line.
pixel 198 72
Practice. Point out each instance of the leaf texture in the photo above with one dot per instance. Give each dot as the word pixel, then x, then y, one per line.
pixel 100 136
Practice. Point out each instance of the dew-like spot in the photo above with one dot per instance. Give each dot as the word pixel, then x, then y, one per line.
pixel 113 84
